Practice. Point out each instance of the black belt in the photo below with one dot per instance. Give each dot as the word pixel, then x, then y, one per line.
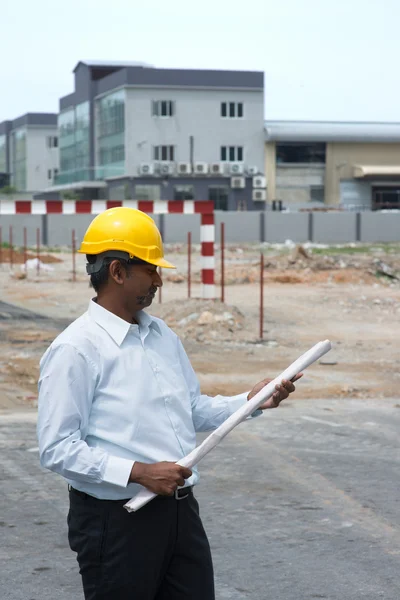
pixel 179 494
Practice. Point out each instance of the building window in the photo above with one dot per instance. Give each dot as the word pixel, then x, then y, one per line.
pixel 232 110
pixel 110 132
pixel 147 192
pixel 3 154
pixel 74 143
pixel 52 173
pixel 219 194
pixel 232 153
pixel 183 192
pixel 163 108
pixel 300 152
pixel 18 159
pixel 111 114
pixel 113 154
pixel 385 198
pixel 164 153
pixel 52 141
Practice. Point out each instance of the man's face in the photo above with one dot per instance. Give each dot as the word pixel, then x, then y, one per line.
pixel 141 285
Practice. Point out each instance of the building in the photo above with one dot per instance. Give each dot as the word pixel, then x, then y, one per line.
pixel 134 131
pixel 29 152
pixel 348 165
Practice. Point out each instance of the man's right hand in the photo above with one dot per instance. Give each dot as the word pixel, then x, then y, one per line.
pixel 161 478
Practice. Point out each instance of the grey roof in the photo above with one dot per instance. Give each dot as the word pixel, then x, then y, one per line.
pixel 93 77
pixel 111 63
pixel 5 127
pixel 331 131
pixel 144 77
pixel 45 119
pixel 67 101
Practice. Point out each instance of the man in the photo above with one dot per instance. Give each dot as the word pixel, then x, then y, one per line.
pixel 119 404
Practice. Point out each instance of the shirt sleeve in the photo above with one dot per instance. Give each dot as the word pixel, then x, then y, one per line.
pixel 208 412
pixel 67 385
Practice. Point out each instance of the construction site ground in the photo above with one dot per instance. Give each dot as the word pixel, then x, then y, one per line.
pixel 309 295
pixel 300 503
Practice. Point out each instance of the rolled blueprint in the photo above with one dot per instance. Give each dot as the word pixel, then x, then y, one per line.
pixel 299 365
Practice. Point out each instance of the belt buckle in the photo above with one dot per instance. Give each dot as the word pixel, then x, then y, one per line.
pixel 180 497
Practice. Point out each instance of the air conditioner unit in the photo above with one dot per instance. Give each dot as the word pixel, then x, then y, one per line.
pixel 166 168
pixel 236 168
pixel 216 169
pixel 184 169
pixel 259 195
pixel 252 170
pixel 238 182
pixel 146 169
pixel 201 168
pixel 259 181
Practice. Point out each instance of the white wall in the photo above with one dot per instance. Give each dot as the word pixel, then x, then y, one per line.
pixel 197 113
pixel 40 158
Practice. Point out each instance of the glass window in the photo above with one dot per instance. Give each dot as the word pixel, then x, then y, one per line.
pixel 183 192
pixel 110 133
pixel 163 108
pixel 18 159
pixel 232 110
pixel 219 194
pixel 164 153
pixel 147 192
pixel 385 198
pixel 74 142
pixel 232 153
pixel 52 141
pixel 300 152
pixel 3 154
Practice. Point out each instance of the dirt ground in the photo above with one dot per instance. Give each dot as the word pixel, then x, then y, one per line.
pixel 350 296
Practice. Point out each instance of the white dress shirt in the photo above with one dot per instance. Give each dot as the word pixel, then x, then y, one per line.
pixel 111 393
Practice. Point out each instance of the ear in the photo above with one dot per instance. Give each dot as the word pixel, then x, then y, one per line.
pixel 117 272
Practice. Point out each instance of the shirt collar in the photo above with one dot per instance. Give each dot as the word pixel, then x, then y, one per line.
pixel 116 327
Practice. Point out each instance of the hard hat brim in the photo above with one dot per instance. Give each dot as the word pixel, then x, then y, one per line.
pixel 164 264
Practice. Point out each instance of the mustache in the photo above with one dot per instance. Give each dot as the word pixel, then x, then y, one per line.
pixel 142 299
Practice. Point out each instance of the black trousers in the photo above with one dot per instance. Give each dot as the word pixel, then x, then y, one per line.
pixel 160 552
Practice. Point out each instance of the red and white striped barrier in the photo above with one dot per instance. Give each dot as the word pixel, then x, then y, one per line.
pixel 157 207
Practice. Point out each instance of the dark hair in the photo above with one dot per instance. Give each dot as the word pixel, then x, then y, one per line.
pixel 99 279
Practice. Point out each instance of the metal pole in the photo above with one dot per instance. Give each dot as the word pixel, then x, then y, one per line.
pixel 189 263
pixel 222 262
pixel 38 251
pixel 25 250
pixel 160 288
pixel 73 257
pixel 11 248
pixel 1 246
pixel 261 296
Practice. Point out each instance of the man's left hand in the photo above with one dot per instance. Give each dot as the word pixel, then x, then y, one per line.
pixel 282 391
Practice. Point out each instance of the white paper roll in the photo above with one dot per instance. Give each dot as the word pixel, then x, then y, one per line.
pixel 194 457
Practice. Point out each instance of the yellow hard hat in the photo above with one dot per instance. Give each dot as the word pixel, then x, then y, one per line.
pixel 127 230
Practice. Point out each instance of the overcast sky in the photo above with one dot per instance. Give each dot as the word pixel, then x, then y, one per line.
pixel 323 59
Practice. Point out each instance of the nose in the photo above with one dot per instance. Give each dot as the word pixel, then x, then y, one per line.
pixel 157 281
